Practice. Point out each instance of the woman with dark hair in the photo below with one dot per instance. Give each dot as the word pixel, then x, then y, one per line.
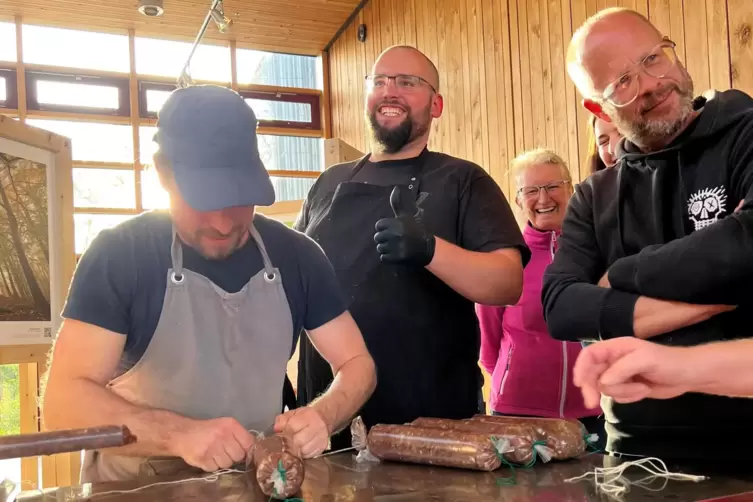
pixel 603 137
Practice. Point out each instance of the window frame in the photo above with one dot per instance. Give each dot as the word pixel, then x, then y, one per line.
pixel 122 84
pixel 151 85
pixel 288 96
pixel 11 89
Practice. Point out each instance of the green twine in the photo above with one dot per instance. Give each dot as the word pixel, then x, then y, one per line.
pixel 512 480
pixel 590 442
pixel 283 475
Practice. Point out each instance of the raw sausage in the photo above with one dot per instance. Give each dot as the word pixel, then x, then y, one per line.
pixel 279 473
pixel 428 446
pixel 521 437
pixel 565 437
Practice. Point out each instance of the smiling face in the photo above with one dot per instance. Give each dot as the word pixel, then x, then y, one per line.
pixel 607 137
pixel 400 109
pixel 545 207
pixel 612 51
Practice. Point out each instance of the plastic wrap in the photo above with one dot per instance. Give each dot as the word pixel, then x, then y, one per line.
pixel 429 446
pixel 565 437
pixel 279 473
pixel 523 439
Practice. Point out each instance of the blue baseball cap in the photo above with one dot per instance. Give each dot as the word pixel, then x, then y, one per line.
pixel 207 136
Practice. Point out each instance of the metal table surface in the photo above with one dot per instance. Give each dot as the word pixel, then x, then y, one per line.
pixel 339 478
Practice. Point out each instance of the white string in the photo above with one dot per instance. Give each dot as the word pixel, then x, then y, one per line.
pixel 336 451
pixel 611 480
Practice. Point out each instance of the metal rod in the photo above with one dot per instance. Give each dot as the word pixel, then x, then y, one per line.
pixel 197 41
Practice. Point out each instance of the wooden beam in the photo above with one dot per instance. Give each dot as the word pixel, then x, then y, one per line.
pixel 135 119
pixel 233 67
pixel 20 74
pixel 294 174
pixel 326 108
pixel 78 117
pixel 103 165
pixel 29 394
pixel 107 210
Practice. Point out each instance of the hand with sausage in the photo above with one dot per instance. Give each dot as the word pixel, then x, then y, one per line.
pixel 306 430
pixel 212 444
pixel 403 239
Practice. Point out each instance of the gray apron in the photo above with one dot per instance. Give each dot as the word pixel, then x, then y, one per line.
pixel 213 354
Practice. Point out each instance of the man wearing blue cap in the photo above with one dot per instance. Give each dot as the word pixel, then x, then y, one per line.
pixel 180 324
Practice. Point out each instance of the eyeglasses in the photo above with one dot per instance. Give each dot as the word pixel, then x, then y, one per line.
pixel 532 192
pixel 406 83
pixel 660 61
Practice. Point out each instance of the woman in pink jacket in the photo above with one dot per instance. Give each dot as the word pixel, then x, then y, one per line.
pixel 532 372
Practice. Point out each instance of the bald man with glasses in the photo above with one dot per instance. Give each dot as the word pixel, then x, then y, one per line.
pixel 654 248
pixel 416 237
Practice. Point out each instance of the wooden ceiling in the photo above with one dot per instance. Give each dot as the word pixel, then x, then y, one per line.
pixel 295 26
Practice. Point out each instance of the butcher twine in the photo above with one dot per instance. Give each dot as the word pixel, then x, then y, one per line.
pixel 209 478
pixel 539 450
pixel 612 481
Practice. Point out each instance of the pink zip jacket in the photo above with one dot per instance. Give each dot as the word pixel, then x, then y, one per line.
pixel 531 371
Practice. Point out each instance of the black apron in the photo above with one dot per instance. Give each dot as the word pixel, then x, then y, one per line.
pixel 423 336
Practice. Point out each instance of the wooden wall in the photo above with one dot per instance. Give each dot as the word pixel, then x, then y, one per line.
pixel 502 67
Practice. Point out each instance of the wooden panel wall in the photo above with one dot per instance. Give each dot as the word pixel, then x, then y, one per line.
pixel 502 67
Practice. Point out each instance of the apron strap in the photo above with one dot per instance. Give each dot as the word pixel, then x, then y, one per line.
pixel 176 256
pixel 269 272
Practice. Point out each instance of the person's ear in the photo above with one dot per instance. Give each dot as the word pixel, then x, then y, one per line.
pixel 517 201
pixel 437 105
pixel 596 109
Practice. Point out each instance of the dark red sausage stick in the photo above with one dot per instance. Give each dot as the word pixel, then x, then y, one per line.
pixel 565 437
pixel 427 446
pixel 52 442
pixel 279 473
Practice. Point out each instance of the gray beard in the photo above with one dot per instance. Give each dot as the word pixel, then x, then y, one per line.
pixel 646 133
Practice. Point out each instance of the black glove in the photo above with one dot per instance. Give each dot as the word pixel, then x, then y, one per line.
pixel 403 239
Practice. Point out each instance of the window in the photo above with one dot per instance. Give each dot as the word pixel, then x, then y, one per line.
pixel 78 94
pixel 152 96
pixel 153 196
pixel 104 188
pixel 8 95
pixel 88 226
pixel 291 153
pixel 283 70
pixel 147 146
pixel 72 48
pixel 92 141
pixel 166 58
pixel 8 42
pixel 291 188
pixel 291 110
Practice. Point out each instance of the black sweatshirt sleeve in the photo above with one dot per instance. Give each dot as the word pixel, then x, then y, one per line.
pixel 713 265
pixel 576 308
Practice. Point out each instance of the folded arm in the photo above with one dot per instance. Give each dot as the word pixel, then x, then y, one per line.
pixel 576 308
pixel 711 265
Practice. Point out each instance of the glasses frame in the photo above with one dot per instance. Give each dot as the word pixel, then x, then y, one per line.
pixel 637 68
pixel 369 79
pixel 559 183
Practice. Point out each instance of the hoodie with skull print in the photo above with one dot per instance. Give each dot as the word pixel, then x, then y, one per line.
pixel 664 225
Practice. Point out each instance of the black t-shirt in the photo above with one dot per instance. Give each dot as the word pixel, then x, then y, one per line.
pixel 462 204
pixel 120 281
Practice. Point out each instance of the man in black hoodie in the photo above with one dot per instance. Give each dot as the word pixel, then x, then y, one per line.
pixel 652 248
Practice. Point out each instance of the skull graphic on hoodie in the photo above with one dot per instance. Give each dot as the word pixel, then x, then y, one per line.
pixel 707 206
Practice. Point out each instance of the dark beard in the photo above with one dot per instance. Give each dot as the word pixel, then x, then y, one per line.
pixel 391 140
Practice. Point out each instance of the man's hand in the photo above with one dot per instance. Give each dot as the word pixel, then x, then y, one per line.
pixel 629 369
pixel 212 444
pixel 403 239
pixel 306 429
